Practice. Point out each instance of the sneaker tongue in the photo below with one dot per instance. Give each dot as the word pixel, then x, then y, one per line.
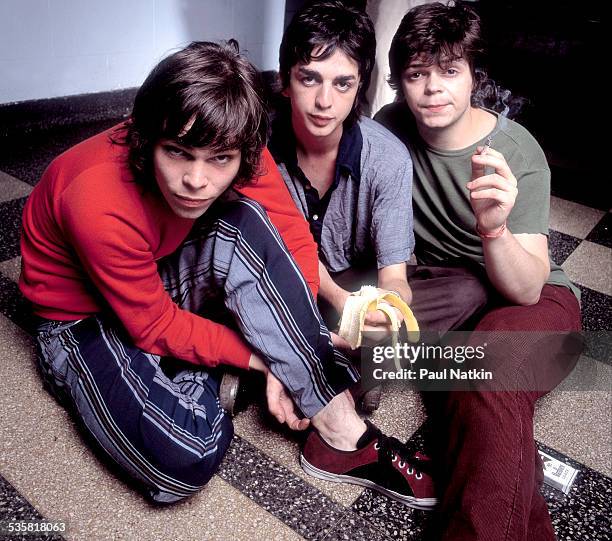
pixel 370 433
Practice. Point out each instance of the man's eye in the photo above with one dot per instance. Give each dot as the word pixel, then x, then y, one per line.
pixel 222 159
pixel 307 81
pixel 174 152
pixel 452 71
pixel 344 87
pixel 414 75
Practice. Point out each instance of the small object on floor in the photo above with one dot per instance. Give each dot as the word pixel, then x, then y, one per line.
pixel 558 474
pixel 380 462
pixel 228 392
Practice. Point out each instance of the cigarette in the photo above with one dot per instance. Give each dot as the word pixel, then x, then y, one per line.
pixel 487 145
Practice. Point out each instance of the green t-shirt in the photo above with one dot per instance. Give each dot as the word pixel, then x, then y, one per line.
pixel 444 222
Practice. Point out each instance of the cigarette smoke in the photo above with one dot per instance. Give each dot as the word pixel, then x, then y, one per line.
pixel 487 93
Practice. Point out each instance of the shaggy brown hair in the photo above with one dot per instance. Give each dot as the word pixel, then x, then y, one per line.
pixel 441 33
pixel 205 95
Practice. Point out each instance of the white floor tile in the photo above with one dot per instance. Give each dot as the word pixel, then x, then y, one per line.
pixel 576 417
pixel 591 265
pixel 11 268
pixel 12 188
pixel 573 218
pixel 45 459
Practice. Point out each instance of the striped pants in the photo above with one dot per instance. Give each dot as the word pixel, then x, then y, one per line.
pixel 165 429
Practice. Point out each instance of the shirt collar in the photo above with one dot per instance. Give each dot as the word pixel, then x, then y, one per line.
pixel 282 145
pixel 349 152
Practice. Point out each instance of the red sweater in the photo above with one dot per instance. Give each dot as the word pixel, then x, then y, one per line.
pixel 91 238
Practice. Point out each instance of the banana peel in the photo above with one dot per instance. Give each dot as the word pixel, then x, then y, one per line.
pixel 369 299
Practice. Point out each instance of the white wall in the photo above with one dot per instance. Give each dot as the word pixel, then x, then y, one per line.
pixel 386 16
pixel 52 48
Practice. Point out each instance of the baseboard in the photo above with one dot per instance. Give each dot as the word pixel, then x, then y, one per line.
pixel 32 115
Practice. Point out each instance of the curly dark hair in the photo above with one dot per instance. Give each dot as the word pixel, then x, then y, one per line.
pixel 330 25
pixel 441 33
pixel 205 95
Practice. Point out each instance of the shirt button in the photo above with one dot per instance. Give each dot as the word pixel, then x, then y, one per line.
pixel 315 217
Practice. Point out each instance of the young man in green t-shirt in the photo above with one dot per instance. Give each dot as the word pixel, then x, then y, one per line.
pixel 481 193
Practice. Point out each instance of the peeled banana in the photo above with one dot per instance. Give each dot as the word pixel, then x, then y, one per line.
pixel 368 299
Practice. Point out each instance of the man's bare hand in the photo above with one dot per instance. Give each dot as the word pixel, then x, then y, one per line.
pixel 281 405
pixel 339 342
pixel 377 326
pixel 492 196
pixel 256 363
pixel 379 319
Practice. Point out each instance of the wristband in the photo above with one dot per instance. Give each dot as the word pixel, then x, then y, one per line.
pixel 495 235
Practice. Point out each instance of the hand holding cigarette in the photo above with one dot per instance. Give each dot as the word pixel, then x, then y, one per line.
pixel 487 145
pixel 493 190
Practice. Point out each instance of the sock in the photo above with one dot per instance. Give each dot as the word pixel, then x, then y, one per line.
pixel 370 433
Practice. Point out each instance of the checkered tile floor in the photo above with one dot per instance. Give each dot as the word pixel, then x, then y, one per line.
pixel 46 470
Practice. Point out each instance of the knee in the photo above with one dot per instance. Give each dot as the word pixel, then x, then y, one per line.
pixel 178 474
pixel 243 213
pixel 508 318
pixel 252 223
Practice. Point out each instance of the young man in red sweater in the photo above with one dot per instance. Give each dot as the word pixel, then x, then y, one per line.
pixel 148 267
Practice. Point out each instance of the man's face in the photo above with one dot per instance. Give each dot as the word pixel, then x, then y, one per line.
pixel 322 94
pixel 438 96
pixel 190 179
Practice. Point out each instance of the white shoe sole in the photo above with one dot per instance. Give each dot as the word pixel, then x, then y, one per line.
pixel 425 504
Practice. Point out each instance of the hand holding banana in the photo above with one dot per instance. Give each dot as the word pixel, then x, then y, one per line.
pixel 370 299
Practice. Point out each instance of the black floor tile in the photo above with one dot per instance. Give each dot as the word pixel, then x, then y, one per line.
pixel 596 310
pixel 28 116
pixel 583 514
pixel 352 528
pixel 602 232
pixel 397 521
pixel 10 227
pixel 561 246
pixel 304 508
pixel 598 345
pixel 14 306
pixel 27 157
pixel 15 508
